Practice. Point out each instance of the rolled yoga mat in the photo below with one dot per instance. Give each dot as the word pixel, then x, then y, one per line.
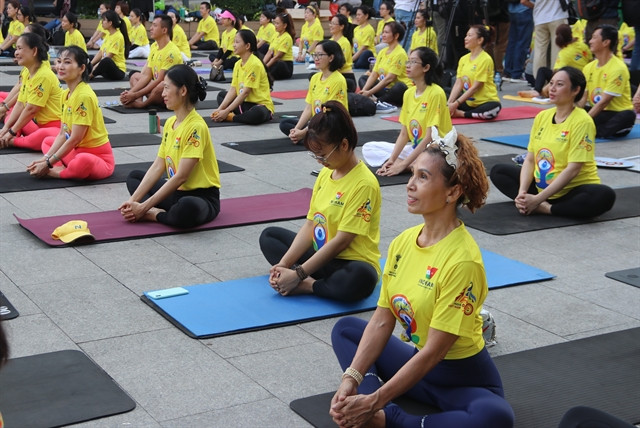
pixel 56 389
pixel 110 226
pixel 504 219
pixel 542 384
pixel 205 311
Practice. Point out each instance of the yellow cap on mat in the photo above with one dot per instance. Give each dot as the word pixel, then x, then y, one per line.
pixel 72 230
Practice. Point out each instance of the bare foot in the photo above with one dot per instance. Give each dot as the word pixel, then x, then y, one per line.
pixel 377 420
pixel 532 93
pixel 152 214
pixel 543 208
pixel 304 287
pixel 458 113
pixel 55 171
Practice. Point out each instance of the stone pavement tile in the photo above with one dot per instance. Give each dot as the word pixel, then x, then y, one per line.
pixel 616 296
pixel 293 372
pixel 35 334
pixel 93 308
pixel 137 418
pixel 20 301
pixel 265 413
pixel 104 197
pixel 143 265
pixel 236 268
pixel 597 330
pixel 171 375
pixel 42 203
pixel 11 164
pixel 253 342
pixel 322 328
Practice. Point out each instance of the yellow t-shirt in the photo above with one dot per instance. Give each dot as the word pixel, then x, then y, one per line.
pixel 626 35
pixel 576 54
pixel 442 286
pixel 244 27
pixel 163 59
pixel 254 76
pixel 138 35
pixel 427 38
pixel 226 40
pixel 395 63
pixel 209 27
pixel 420 113
pixel 283 43
pixel 127 24
pixel 320 91
pixel 43 90
pixel 555 145
pixel 266 32
pixel 311 34
pixel 380 26
pixel 363 37
pixel 613 79
pixel 76 38
pixel 16 28
pixel 346 48
pixel 81 108
pixel 114 44
pixel 350 204
pixel 191 139
pixel 577 29
pixel 478 70
pixel 101 29
pixel 181 41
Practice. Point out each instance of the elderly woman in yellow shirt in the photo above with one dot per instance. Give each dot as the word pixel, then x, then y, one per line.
pixel 138 35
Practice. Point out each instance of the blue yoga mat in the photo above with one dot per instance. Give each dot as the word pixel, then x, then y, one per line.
pixel 247 304
pixel 522 141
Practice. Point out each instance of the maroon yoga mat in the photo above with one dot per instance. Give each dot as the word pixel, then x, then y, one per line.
pixel 507 113
pixel 110 226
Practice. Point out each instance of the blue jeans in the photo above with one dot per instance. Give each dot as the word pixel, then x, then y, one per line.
pixel 405 16
pixel 52 24
pixel 520 32
pixel 635 57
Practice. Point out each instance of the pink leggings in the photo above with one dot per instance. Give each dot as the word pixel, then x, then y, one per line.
pixel 85 163
pixel 32 135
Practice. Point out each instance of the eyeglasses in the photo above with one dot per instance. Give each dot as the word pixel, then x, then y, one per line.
pixel 322 159
pixel 414 62
pixel 319 55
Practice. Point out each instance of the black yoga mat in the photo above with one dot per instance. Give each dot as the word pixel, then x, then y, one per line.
pixel 12 72
pixel 628 276
pixel 202 105
pixel 108 120
pixel 284 145
pixel 542 384
pixel 56 389
pixel 116 140
pixel 7 311
pixel 277 117
pixel 504 219
pixel 22 181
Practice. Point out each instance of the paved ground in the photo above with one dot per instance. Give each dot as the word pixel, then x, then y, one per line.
pixel 87 298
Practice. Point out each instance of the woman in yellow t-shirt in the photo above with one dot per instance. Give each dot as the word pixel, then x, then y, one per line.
pixel 474 95
pixel 182 186
pixel 328 84
pixel 311 32
pixel 36 113
pixel 363 38
pixel 109 62
pixel 388 80
pixel 559 175
pixel 434 286
pixel 424 35
pixel 225 58
pixel 16 27
pixel 122 9
pixel 73 36
pixel 179 36
pixel 424 112
pixel 342 32
pixel 266 32
pixel 98 36
pixel 81 150
pixel 279 58
pixel 249 98
pixel 335 253
pixel 138 35
pixel 386 16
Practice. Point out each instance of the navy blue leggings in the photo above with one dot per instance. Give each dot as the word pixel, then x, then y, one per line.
pixel 468 391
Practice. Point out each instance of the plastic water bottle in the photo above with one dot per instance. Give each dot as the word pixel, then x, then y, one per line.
pixel 99 14
pixel 53 53
pixel 497 79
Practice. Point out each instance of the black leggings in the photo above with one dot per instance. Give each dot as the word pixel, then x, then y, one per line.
pixel 248 113
pixel 281 70
pixel 611 124
pixel 363 60
pixel 183 209
pixel 108 69
pixel 344 280
pixel 228 61
pixel 486 111
pixel 287 124
pixel 585 201
pixel 393 95
pixel 209 45
pixel 544 75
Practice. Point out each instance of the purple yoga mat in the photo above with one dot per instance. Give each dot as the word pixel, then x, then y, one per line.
pixel 110 226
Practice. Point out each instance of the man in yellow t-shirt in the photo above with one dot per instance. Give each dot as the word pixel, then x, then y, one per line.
pixel 207 34
pixel 148 83
pixel 608 93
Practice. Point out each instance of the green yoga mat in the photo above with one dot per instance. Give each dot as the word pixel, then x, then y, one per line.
pixel 56 389
pixel 542 384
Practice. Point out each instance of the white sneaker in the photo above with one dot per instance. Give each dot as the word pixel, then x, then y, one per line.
pixel 382 107
pixel 311 66
pixel 488 328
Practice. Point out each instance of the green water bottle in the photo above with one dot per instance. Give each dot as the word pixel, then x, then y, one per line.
pixel 182 12
pixel 153 122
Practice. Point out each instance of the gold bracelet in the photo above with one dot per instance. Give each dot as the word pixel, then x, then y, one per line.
pixel 354 374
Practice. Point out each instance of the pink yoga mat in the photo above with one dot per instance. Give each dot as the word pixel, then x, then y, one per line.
pixel 110 226
pixel 289 95
pixel 507 113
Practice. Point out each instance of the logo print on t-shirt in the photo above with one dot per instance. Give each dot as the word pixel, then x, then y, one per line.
pixel 545 171
pixel 404 312
pixel 319 230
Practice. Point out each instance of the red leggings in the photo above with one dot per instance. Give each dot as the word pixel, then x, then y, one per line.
pixel 85 163
pixel 32 135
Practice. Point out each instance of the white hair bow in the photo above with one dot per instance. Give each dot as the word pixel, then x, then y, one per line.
pixel 446 144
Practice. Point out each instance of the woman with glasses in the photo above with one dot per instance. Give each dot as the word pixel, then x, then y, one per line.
pixel 279 58
pixel 335 253
pixel 327 84
pixel 424 110
pixel 310 34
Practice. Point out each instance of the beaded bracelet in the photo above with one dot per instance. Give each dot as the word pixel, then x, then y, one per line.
pixel 354 374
